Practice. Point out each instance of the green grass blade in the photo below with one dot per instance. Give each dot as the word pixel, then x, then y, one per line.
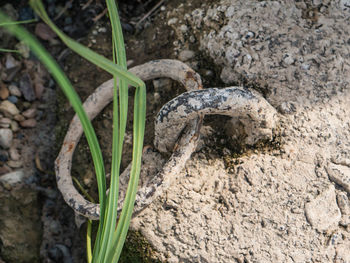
pixel 89 222
pixel 11 23
pixel 119 121
pixel 138 136
pixel 70 93
pixel 85 52
pixel 9 50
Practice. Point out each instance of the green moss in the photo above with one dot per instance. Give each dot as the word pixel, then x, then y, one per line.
pixel 137 250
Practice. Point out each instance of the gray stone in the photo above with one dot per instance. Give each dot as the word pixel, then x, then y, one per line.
pixel 15 164
pixel 30 123
pixel 12 178
pixel 323 212
pixel 343 203
pixel 30 113
pixel 8 108
pixel 6 137
pixel 186 55
pixel 340 174
pixel 14 155
pixel 26 87
pixel 14 126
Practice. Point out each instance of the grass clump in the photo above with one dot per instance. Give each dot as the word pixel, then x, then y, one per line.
pixel 110 235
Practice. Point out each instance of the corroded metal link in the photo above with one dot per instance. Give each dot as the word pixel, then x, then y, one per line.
pixel 176 130
pixel 94 104
pixel 257 115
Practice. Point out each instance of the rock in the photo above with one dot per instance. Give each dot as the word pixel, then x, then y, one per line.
pixel 342 253
pixel 30 123
pixel 186 55
pixel 323 212
pixel 13 99
pixel 14 126
pixel 44 32
pixel 4 169
pixel 8 108
pixel 26 87
pixel 39 90
pixel 12 178
pixel 14 155
pixel 55 227
pixel 4 92
pixel 5 122
pixel 14 90
pixel 10 62
pixel 340 174
pixel 15 164
pixel 343 203
pixel 30 113
pixel 6 137
pixel 19 117
pixel 26 104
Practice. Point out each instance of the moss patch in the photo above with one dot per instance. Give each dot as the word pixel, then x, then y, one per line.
pixel 138 250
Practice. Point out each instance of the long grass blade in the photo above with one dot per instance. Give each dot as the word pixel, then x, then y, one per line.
pixel 119 126
pixel 138 136
pixel 85 52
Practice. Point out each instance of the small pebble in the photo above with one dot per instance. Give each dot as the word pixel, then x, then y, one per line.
pixel 156 96
pixel 19 117
pixel 6 137
pixel 29 114
pixel 172 21
pixel 5 122
pixel 192 39
pixel 12 178
pixel 340 174
pixel 14 155
pixel 14 90
pixel 30 123
pixel 26 87
pixel 14 126
pixel 183 28
pixel 10 62
pixel 26 104
pixel 55 227
pixel 15 164
pixel 322 212
pixel 4 92
pixel 186 55
pixel 289 60
pixel 13 99
pixel 8 108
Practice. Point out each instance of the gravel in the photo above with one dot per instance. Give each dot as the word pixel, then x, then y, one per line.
pixel 6 137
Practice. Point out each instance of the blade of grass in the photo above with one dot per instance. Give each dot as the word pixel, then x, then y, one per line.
pixel 10 23
pixel 138 136
pixel 89 222
pixel 70 93
pixel 85 52
pixel 9 50
pixel 118 135
pixel 139 122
